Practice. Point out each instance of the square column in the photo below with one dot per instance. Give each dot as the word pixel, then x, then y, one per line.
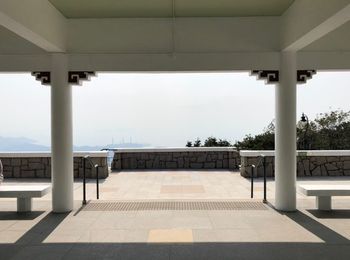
pixel 285 134
pixel 62 176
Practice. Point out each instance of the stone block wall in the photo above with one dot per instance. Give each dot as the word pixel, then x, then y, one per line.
pixel 90 171
pixel 246 167
pixel 307 166
pixel 40 167
pixel 191 159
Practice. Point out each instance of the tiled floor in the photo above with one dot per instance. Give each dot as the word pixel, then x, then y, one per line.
pixel 139 185
pixel 176 234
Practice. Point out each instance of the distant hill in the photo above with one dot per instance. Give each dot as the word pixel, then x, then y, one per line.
pixel 109 146
pixel 126 145
pixel 17 144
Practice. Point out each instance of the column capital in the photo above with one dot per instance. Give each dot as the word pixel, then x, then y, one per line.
pixel 77 77
pixel 74 77
pixel 270 76
pixel 304 75
pixel 273 77
pixel 43 76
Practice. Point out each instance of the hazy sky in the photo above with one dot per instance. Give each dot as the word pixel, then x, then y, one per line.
pixel 165 109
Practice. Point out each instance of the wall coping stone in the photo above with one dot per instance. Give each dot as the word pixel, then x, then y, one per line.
pixel 256 153
pixel 28 154
pixel 175 149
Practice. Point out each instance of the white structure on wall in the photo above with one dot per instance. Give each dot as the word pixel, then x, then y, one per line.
pixel 283 42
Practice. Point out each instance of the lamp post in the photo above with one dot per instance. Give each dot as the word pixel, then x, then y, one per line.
pixel 304 122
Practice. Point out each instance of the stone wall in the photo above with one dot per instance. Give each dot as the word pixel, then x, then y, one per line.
pixel 313 163
pixel 246 167
pixel 172 158
pixel 25 165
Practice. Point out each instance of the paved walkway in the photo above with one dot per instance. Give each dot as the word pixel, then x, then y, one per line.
pixel 108 232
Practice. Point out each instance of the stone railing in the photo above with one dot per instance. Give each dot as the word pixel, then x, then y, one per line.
pixel 38 164
pixel 309 163
pixel 176 158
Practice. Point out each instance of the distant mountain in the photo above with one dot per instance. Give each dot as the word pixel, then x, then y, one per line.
pixel 109 146
pixel 17 144
pixel 126 145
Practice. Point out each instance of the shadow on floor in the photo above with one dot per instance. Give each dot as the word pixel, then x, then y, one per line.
pixel 333 214
pixel 42 229
pixel 32 246
pixel 13 215
pixel 318 229
pixel 271 250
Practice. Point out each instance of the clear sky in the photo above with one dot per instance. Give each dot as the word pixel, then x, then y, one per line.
pixel 164 109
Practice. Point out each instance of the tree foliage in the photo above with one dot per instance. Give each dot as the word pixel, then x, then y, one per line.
pixel 329 131
pixel 209 142
pixel 197 143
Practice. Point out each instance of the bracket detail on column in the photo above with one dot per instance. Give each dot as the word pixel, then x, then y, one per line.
pixel 270 76
pixel 43 76
pixel 304 75
pixel 76 77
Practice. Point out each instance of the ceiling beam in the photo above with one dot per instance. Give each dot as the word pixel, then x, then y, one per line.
pixel 155 35
pixel 181 62
pixel 36 21
pixel 145 62
pixel 324 61
pixel 163 62
pixel 307 21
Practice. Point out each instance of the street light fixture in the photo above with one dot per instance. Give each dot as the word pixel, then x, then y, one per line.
pixel 304 119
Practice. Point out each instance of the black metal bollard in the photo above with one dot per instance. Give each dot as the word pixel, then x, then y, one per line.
pixel 97 182
pixel 252 181
pixel 264 170
pixel 84 181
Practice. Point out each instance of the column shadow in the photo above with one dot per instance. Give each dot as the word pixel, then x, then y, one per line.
pixel 32 246
pixel 318 229
pixel 42 229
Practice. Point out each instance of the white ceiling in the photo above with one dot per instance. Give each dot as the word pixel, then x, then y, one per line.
pixel 11 43
pixel 338 40
pixel 165 8
pixel 142 42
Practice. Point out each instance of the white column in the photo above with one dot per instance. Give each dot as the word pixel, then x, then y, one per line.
pixel 285 155
pixel 61 136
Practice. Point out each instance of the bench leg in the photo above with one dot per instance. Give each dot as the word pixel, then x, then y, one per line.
pixel 324 202
pixel 24 204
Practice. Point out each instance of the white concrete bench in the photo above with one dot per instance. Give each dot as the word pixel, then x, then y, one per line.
pixel 324 193
pixel 24 194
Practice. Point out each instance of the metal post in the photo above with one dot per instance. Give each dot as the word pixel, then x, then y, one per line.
pixel 97 182
pixel 84 181
pixel 264 170
pixel 252 181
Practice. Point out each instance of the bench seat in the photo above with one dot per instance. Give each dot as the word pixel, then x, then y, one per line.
pixel 24 194
pixel 324 193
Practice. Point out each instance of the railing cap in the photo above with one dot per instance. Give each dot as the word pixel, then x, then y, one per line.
pixel 257 153
pixel 30 154
pixel 174 149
